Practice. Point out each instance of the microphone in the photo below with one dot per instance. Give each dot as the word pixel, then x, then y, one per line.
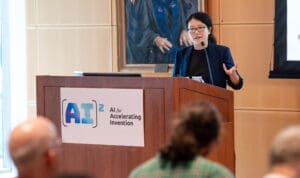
pixel 207 60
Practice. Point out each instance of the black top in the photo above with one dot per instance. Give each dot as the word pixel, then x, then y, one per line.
pixel 198 65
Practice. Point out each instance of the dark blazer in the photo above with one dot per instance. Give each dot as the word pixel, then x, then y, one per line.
pixel 217 55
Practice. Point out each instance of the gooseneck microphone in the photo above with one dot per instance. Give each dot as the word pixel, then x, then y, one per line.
pixel 207 59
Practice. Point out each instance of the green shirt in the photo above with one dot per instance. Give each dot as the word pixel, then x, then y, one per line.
pixel 197 168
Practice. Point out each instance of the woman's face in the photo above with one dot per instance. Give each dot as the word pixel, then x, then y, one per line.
pixel 198 32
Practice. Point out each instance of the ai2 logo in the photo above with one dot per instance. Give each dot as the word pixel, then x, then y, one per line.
pixel 85 113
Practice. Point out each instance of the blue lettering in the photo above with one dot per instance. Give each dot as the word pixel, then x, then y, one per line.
pixel 101 107
pixel 87 107
pixel 72 112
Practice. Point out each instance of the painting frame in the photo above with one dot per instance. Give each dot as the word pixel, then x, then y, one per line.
pixel 122 65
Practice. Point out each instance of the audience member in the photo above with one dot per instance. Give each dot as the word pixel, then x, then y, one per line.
pixel 196 132
pixel 285 154
pixel 34 146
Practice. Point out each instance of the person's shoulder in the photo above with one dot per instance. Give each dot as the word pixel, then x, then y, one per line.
pixel 215 169
pixel 147 167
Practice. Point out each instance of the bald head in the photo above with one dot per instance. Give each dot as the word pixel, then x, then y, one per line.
pixel 31 139
pixel 286 146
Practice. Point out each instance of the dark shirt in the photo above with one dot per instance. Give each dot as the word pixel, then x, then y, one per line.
pixel 198 65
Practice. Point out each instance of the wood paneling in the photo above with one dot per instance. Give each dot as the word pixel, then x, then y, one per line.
pixel 212 7
pixel 245 11
pixel 216 32
pixel 254 133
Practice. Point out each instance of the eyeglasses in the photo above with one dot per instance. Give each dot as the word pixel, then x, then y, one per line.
pixel 198 29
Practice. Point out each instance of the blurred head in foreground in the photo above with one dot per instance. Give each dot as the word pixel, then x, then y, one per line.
pixel 34 146
pixel 285 154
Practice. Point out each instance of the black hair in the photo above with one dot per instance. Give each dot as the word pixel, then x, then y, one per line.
pixel 204 18
pixel 199 125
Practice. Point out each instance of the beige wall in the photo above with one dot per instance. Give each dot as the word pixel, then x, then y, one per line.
pixel 68 35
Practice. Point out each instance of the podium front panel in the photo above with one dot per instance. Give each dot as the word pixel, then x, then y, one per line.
pixel 162 97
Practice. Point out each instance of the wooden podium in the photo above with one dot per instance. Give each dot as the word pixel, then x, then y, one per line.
pixel 162 97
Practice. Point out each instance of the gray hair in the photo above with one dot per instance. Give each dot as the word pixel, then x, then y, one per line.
pixel 286 146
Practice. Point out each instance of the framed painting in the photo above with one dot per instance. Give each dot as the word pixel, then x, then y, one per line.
pixel 151 31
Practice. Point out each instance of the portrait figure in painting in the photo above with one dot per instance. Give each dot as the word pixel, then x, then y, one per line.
pixel 156 29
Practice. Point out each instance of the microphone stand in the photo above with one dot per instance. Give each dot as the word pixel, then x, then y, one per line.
pixel 209 68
